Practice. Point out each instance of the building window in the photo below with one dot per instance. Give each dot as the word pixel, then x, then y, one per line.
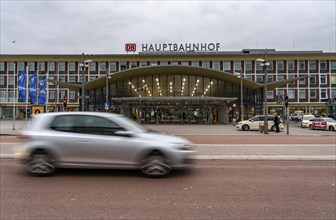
pixel 21 66
pixel 312 79
pixel 323 79
pixel 72 95
pixel 260 79
pixel 92 77
pixel 195 63
pixel 302 65
pixel 11 67
pixel 123 65
pixel 302 93
pixel 291 76
pixel 280 92
pixel 51 94
pixel 333 79
pixel 237 66
pixel 41 66
pixel 72 79
pixel 290 65
pixel 2 66
pixel 291 93
pixel 270 78
pixel 31 66
pixel 302 81
pixel 323 65
pixel 323 94
pixel 155 63
pixel 102 66
pixel 280 77
pixel 205 64
pixel 61 66
pixel 133 64
pixel 333 65
pixel 113 66
pixel 227 66
pixel 280 65
pixel 313 93
pixel 333 93
pixel 2 80
pixel 186 63
pixel 269 94
pixel 72 66
pixel 10 80
pixel 92 67
pixel 52 66
pixel 249 77
pixel 248 65
pixel 143 63
pixel 312 65
pixel 216 65
pixel 3 97
pixel 62 78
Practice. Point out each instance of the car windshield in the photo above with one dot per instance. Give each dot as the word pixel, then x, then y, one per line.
pixel 329 120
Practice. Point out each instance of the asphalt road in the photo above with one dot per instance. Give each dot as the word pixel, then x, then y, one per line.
pixel 211 190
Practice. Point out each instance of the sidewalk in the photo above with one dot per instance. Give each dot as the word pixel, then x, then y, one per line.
pixel 213 142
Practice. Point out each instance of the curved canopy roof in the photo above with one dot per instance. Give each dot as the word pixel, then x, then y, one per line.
pixel 164 70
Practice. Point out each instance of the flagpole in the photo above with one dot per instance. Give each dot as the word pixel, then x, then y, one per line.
pixel 27 93
pixel 37 87
pixel 14 98
pixel 47 92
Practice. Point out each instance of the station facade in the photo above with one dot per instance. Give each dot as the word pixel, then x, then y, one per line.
pixel 177 86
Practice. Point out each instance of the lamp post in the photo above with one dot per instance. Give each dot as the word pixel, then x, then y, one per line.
pixel 14 93
pixel 264 64
pixel 85 63
pixel 107 89
pixel 240 75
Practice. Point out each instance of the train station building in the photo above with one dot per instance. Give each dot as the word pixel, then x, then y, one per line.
pixel 169 84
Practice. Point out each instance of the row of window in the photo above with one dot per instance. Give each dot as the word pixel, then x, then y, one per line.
pixel 303 94
pixel 226 66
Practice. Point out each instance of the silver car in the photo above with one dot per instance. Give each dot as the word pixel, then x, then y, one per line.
pixel 98 140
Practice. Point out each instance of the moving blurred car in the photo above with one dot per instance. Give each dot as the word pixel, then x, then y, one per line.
pixel 98 140
pixel 305 120
pixel 253 123
pixel 322 124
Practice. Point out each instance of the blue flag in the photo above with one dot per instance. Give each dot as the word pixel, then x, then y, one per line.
pixel 42 91
pixel 32 88
pixel 21 83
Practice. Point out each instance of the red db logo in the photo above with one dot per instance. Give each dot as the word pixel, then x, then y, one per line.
pixel 130 47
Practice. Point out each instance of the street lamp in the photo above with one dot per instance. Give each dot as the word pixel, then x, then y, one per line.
pixel 107 89
pixel 240 75
pixel 264 64
pixel 85 63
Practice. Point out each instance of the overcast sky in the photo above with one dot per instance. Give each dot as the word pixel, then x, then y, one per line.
pixel 103 27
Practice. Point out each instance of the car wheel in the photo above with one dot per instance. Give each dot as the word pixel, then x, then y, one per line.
pixel 155 165
pixel 311 127
pixel 331 128
pixel 41 164
pixel 246 127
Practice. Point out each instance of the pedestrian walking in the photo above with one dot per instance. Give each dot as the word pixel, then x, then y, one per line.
pixel 276 121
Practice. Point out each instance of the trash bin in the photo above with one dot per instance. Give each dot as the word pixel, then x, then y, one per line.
pixel 261 127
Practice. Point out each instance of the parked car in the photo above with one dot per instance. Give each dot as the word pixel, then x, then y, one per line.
pixel 322 124
pixel 305 120
pixel 253 123
pixel 296 116
pixel 98 140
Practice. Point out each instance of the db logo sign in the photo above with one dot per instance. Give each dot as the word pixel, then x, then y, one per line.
pixel 130 47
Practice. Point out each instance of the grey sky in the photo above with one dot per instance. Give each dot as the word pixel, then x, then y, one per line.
pixel 103 27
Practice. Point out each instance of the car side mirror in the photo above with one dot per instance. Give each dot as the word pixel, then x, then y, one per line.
pixel 124 133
